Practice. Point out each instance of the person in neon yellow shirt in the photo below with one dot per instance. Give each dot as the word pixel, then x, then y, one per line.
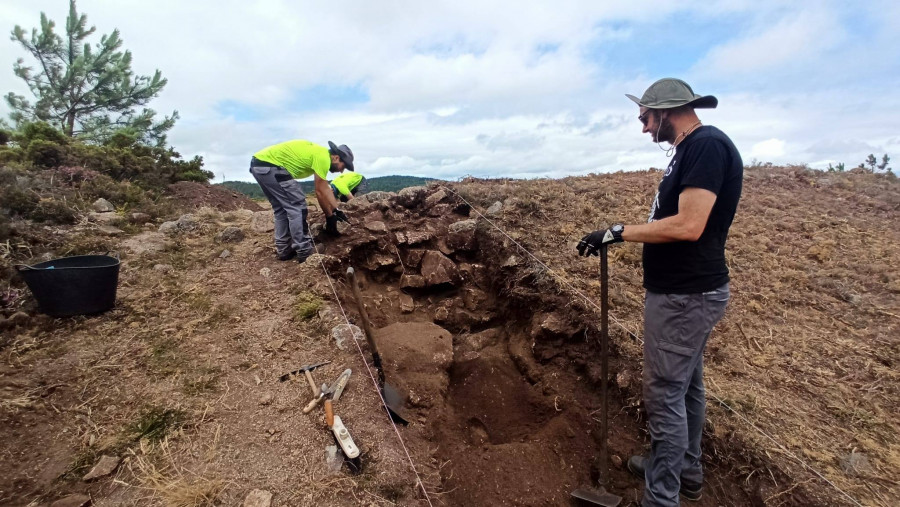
pixel 277 169
pixel 347 185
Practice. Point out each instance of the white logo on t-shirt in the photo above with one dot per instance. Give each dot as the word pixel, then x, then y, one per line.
pixel 653 207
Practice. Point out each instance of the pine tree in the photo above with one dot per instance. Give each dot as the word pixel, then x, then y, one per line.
pixel 89 92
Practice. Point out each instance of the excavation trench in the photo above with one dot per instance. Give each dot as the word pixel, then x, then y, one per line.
pixel 502 374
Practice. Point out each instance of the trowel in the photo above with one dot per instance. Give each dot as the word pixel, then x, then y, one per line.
pixel 599 495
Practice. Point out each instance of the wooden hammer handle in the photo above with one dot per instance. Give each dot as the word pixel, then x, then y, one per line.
pixel 312 384
pixel 329 413
pixel 308 408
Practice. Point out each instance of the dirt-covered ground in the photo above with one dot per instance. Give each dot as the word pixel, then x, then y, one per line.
pixel 496 353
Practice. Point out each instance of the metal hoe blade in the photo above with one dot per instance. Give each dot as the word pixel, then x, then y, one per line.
pixel 598 497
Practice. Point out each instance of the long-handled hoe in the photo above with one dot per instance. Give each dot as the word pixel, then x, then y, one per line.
pixel 601 496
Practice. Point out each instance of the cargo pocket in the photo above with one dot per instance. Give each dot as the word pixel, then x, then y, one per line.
pixel 674 361
pixel 294 192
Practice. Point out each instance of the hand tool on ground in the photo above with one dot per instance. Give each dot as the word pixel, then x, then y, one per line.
pixel 306 372
pixel 394 400
pixel 328 393
pixel 600 496
pixel 336 425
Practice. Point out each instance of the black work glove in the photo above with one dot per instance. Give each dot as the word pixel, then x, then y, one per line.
pixel 331 225
pixel 341 216
pixel 590 244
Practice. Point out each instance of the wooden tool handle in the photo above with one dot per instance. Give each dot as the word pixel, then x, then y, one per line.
pixel 308 408
pixel 329 413
pixel 367 326
pixel 312 384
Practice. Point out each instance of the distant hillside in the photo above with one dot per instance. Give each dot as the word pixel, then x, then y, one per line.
pixel 381 183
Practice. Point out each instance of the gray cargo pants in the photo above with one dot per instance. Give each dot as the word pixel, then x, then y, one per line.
pixel 676 328
pixel 289 206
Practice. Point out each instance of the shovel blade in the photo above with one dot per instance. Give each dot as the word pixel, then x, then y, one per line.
pixel 395 403
pixel 597 497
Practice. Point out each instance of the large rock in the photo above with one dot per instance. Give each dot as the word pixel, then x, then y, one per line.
pixel 437 269
pixel 101 205
pixel 139 218
pixel 494 209
pixel 435 198
pixel 412 282
pixel 263 221
pixel 461 235
pixel 146 242
pixel 416 237
pixel 377 196
pixel 231 234
pixel 185 223
pixel 413 258
pixel 105 218
pixel 376 226
pixel 104 467
pixel 410 197
pixel 258 498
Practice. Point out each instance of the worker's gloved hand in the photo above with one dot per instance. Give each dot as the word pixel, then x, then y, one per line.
pixel 341 216
pixel 331 225
pixel 590 244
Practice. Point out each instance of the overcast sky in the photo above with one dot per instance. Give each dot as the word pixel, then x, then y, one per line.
pixel 502 88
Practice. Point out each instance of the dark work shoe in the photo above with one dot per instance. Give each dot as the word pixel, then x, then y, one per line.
pixel 286 256
pixel 689 490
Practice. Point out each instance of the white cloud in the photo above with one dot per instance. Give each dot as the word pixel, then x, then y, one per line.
pixel 501 88
pixel 768 149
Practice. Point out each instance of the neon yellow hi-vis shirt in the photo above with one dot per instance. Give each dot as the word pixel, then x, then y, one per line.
pixel 346 182
pixel 300 158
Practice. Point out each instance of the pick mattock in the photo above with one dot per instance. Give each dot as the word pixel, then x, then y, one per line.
pixel 601 496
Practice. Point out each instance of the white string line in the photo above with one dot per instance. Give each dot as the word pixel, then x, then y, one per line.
pixel 719 400
pixel 371 376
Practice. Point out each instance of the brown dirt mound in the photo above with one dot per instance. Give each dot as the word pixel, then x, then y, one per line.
pixel 508 416
pixel 197 195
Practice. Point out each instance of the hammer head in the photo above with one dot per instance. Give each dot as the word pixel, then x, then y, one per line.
pixel 311 367
pixel 308 367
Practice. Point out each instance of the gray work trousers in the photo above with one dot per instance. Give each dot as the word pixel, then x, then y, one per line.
pixel 289 206
pixel 676 328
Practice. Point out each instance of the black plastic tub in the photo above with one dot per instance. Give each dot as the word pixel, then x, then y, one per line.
pixel 79 285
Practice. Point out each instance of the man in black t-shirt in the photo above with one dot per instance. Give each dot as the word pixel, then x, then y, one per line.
pixel 686 279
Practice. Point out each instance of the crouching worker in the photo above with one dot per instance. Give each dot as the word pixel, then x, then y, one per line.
pixel 277 169
pixel 344 188
pixel 347 185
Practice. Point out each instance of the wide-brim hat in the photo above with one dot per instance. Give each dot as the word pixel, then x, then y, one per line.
pixel 342 151
pixel 670 92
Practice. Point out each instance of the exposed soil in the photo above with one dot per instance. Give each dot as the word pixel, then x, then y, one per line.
pixel 497 355
pixel 190 194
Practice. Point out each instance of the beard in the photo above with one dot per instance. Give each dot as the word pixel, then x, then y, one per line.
pixel 666 132
pixel 335 168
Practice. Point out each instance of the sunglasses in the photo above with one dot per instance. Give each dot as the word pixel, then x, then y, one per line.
pixel 645 118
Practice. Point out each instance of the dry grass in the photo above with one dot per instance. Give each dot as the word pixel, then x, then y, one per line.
pixel 158 470
pixel 809 349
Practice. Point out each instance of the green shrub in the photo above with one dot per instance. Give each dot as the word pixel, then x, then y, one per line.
pixel 54 211
pixel 10 154
pixel 45 154
pixel 17 201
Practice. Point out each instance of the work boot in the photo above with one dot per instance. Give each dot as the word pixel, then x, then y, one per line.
pixel 288 255
pixel 689 490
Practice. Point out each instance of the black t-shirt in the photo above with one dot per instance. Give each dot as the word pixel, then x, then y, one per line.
pixel 705 159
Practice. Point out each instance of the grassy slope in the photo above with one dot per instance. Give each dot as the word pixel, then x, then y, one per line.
pixel 809 348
